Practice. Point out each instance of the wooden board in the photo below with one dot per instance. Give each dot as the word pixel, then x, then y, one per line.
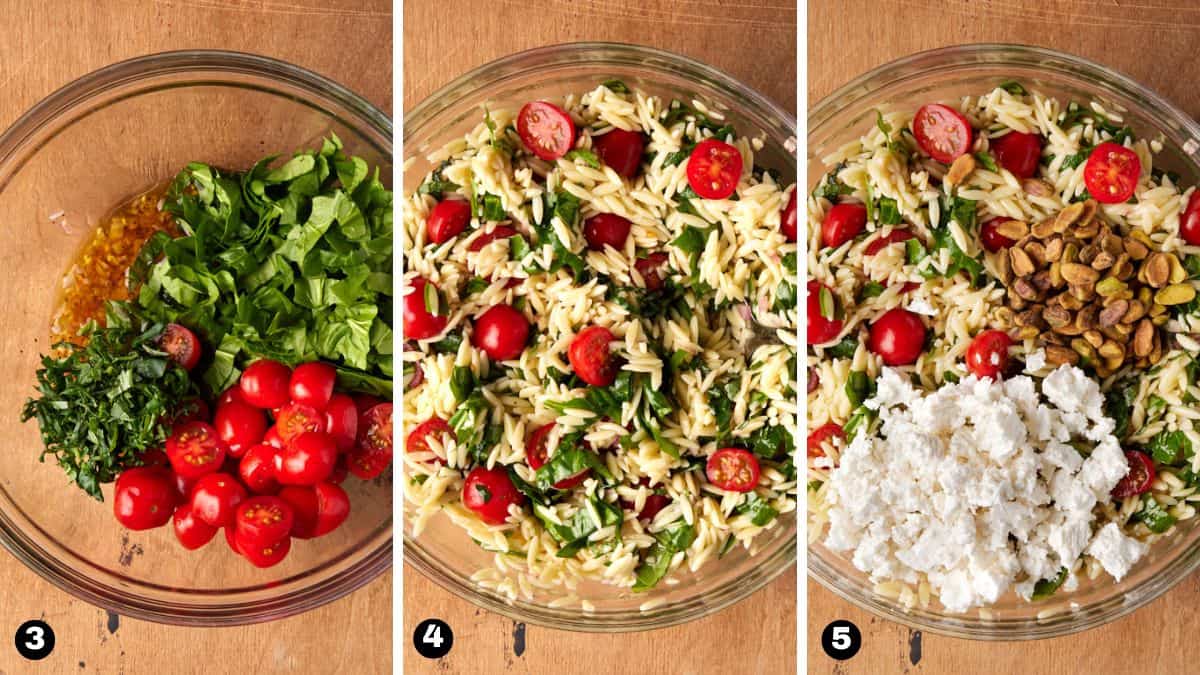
pixel 42 47
pixel 1153 41
pixel 755 41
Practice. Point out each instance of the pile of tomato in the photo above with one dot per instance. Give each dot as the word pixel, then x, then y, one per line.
pixel 266 467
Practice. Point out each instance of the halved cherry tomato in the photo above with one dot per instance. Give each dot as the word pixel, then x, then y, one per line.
pixel 489 493
pixel 733 469
pixel 312 384
pixel 191 531
pixel 195 449
pixel 264 384
pixel 418 438
pixel 365 402
pixel 650 268
pixel 898 337
pixel 294 419
pixel 144 498
pixel 1189 222
pixel 257 469
pixel 181 345
pixel 499 232
pixel 333 508
pixel 303 501
pixel 501 332
pixel 214 498
pixel 308 459
pixel 262 520
pixel 987 355
pixel 788 221
pixel 263 555
pixel 992 240
pixel 653 504
pixel 341 421
pixel 1018 152
pixel 942 132
pixel 622 150
pixel 419 321
pixel 447 220
pixel 714 169
pixel 546 129
pixel 1111 173
pixel 273 438
pixel 817 439
pixel 843 223
pixel 893 237
pixel 591 358
pixel 606 229
pixel 823 324
pixel 240 425
pixel 537 454
pixel 373 453
pixel 1140 477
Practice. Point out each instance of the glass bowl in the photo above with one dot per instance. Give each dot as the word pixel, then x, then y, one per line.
pixel 63 166
pixel 445 553
pixel 947 75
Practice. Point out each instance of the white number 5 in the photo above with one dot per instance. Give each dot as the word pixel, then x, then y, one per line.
pixel 841 638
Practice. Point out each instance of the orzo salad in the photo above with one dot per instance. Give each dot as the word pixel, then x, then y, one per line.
pixel 599 314
pixel 1001 349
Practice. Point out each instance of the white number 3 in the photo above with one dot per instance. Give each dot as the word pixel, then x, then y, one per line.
pixel 36 638
pixel 841 638
pixel 433 636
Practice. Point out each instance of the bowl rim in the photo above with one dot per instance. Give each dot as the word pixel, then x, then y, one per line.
pixel 593 54
pixel 28 128
pixel 959 58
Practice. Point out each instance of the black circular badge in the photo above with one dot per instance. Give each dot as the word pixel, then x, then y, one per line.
pixel 35 640
pixel 433 638
pixel 841 639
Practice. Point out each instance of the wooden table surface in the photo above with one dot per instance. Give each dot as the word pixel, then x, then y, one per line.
pixel 755 41
pixel 1153 41
pixel 44 45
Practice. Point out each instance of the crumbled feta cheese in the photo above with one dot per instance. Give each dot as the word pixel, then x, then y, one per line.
pixel 922 306
pixel 1035 361
pixel 1115 551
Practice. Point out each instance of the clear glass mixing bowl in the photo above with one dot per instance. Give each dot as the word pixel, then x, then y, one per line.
pixel 445 553
pixel 79 153
pixel 947 75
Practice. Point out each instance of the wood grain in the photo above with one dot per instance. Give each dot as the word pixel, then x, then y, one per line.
pixel 1154 42
pixel 754 40
pixel 44 46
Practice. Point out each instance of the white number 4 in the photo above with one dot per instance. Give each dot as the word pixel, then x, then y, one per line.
pixel 36 638
pixel 433 636
pixel 841 638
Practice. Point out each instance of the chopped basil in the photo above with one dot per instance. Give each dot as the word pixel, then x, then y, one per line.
pixel 1013 87
pixel 760 510
pixel 889 212
pixel 859 387
pixel 845 348
pixel 677 537
pixel 1154 516
pixel 586 156
pixel 1047 587
pixel 1170 447
pixel 985 160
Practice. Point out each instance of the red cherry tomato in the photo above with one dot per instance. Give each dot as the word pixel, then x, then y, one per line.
pixel 273 438
pixel 240 425
pixel 987 355
pixel 181 345
pixel 419 322
pixel 230 395
pixel 591 358
pixel 788 221
pixel 652 505
pixel 606 229
pixel 622 150
pixel 144 498
pixel 373 453
pixel 1018 152
pixel 823 325
pixel 365 402
pixel 294 419
pixel 182 486
pixel 340 470
pixel 262 520
pixel 537 454
pixel 195 449
pixel 893 237
pixel 992 240
pixel 714 169
pixel 312 384
pixel 1140 477
pixel 499 232
pixel 816 440
pixel 843 223
pixel 489 493
pixel 447 220
pixel 257 469
pixel 333 508
pixel 230 540
pixel 214 498
pixel 341 421
pixel 307 460
pixel 418 438
pixel 501 333
pixel 191 531
pixel 1111 173
pixel 733 469
pixel 1189 222
pixel 942 132
pixel 303 502
pixel 650 268
pixel 546 129
pixel 898 337
pixel 263 555
pixel 264 384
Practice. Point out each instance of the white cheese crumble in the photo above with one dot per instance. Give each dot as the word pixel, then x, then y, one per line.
pixel 978 484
